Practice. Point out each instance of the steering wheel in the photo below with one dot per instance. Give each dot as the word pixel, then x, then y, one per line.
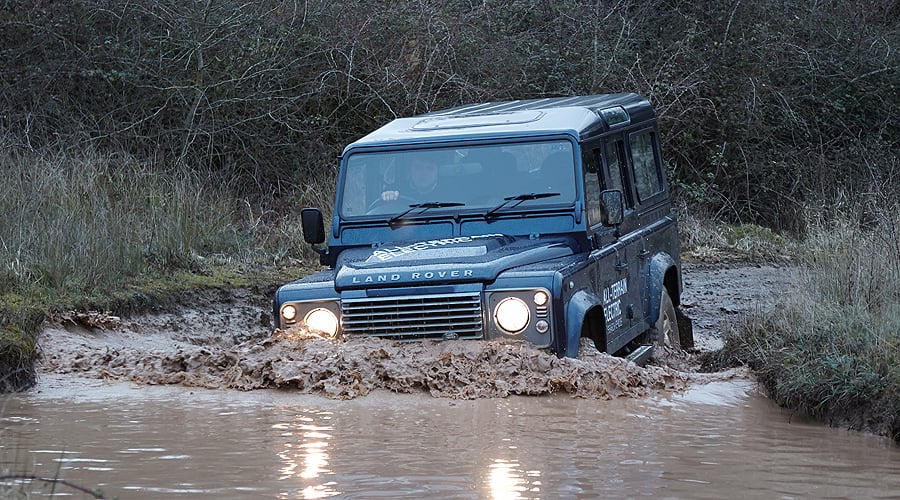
pixel 381 201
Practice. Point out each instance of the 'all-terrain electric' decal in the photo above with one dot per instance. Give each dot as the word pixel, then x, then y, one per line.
pixel 612 304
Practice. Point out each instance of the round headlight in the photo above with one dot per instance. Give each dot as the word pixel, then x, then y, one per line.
pixel 512 315
pixel 289 312
pixel 321 321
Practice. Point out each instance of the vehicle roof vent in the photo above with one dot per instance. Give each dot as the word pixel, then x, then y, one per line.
pixel 615 116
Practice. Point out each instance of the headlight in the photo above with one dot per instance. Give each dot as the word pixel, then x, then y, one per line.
pixel 512 315
pixel 321 320
pixel 289 312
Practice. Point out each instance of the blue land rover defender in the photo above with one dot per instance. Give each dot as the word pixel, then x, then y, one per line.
pixel 541 221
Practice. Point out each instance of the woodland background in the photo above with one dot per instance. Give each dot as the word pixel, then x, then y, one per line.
pixel 766 107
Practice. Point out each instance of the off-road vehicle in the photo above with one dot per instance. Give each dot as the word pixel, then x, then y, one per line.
pixel 541 221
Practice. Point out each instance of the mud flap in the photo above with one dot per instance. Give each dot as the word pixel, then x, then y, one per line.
pixel 685 329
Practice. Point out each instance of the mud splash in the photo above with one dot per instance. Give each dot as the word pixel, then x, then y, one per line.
pixel 356 367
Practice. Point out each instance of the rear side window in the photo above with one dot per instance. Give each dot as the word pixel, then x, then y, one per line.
pixel 647 175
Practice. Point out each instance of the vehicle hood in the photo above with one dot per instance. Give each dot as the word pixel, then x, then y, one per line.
pixel 447 260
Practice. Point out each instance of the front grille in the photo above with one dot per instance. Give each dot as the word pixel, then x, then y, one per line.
pixel 414 317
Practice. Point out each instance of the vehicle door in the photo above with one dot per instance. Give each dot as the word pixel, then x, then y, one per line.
pixel 605 167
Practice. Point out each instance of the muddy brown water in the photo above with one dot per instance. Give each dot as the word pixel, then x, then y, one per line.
pixel 716 440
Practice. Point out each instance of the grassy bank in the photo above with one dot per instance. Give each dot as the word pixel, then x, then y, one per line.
pixel 92 232
pixel 831 349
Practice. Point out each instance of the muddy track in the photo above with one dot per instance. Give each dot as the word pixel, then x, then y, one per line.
pixel 223 341
pixel 716 293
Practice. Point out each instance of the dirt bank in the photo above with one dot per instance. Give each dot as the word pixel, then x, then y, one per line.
pixel 222 340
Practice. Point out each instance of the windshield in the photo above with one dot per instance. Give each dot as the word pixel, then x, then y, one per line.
pixel 458 178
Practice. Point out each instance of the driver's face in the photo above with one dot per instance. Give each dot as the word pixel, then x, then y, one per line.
pixel 424 174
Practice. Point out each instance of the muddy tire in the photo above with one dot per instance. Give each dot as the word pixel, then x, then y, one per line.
pixel 685 329
pixel 666 326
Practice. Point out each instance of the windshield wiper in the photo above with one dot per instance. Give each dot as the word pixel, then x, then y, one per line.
pixel 519 199
pixel 423 206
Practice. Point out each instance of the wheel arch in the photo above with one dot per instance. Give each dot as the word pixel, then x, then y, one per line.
pixel 584 318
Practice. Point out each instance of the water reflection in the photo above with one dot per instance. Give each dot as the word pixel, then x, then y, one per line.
pixel 305 455
pixel 508 481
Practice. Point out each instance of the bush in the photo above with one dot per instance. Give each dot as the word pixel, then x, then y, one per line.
pixel 705 238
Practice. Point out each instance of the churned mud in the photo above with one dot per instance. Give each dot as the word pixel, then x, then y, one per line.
pixel 222 340
pixel 715 294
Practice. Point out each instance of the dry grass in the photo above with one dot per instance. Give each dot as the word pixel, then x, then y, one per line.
pixel 86 221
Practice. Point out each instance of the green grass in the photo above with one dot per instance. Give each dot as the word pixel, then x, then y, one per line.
pixel 18 352
pixel 831 348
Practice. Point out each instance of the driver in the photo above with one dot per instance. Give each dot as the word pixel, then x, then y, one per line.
pixel 423 179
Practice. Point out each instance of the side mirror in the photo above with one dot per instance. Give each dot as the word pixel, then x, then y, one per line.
pixel 313 226
pixel 612 207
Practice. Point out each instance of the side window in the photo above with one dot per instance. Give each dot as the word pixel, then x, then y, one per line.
pixel 614 177
pixel 591 184
pixel 647 178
